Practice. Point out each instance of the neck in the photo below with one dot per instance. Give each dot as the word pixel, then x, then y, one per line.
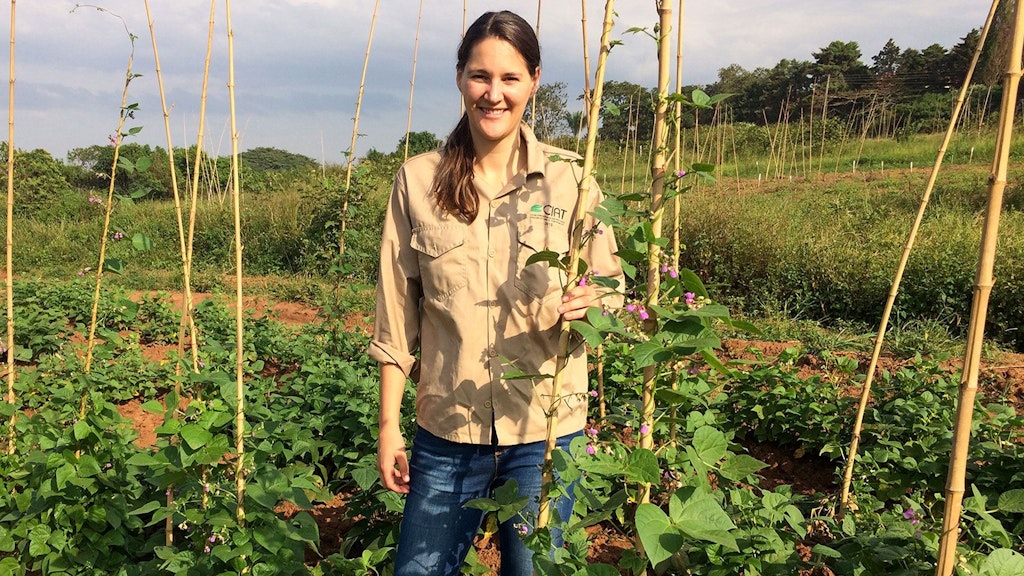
pixel 499 161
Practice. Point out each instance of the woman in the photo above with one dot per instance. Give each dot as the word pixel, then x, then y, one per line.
pixel 455 290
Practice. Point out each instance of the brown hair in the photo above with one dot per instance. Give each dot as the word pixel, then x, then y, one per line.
pixel 453 178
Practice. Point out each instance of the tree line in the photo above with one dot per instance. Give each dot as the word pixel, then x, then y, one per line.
pixel 902 91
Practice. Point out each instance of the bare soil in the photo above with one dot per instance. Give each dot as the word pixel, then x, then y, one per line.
pixel 1001 378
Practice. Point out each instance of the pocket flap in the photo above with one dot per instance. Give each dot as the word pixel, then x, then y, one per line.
pixel 436 240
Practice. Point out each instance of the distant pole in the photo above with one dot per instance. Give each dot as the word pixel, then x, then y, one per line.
pixel 412 81
pixel 10 241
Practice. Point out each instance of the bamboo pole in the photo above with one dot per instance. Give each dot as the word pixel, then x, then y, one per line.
pixel 10 243
pixel 625 150
pixel 533 100
pixel 677 204
pixel 586 74
pixel 955 481
pixel 844 498
pixel 355 134
pixel 179 217
pixel 412 80
pixel 91 343
pixel 239 324
pixel 565 330
pixel 188 307
pixel 658 163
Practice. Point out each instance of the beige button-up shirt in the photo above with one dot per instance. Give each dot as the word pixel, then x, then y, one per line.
pixel 461 297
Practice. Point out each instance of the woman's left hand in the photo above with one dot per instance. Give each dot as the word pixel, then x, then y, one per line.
pixel 576 301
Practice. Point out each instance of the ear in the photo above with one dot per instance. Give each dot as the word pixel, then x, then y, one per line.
pixel 536 81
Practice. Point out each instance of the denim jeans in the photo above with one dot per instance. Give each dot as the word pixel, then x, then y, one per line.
pixel 437 530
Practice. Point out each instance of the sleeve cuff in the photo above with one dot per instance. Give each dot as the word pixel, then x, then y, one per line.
pixel 389 355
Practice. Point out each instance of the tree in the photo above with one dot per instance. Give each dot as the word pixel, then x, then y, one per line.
pixel 841 61
pixel 626 103
pixel 887 61
pixel 40 187
pixel 419 142
pixel 548 118
pixel 265 158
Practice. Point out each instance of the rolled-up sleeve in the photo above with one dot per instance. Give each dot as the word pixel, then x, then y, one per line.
pixel 396 328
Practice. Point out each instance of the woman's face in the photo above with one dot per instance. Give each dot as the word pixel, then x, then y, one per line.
pixel 496 85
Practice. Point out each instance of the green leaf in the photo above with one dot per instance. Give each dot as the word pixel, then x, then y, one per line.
pixel 1003 562
pixel 7 409
pixel 1012 501
pixel 151 506
pixel 642 466
pixel 826 551
pixel 710 444
pixel 271 538
pixel 81 429
pixel 143 163
pixel 141 242
pixel 739 466
pixel 601 570
pixel 153 407
pixel 113 265
pixel 549 256
pixel 195 436
pixel 701 516
pixel 143 459
pixel 589 333
pixel 650 353
pixel 693 282
pixel 700 99
pixel 88 466
pixel 660 538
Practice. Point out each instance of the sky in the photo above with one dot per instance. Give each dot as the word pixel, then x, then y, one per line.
pixel 298 63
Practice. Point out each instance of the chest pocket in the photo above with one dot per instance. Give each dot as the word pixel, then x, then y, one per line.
pixel 539 280
pixel 442 259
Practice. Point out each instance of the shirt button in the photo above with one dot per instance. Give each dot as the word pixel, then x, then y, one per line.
pixel 492 352
pixel 490 253
pixel 487 404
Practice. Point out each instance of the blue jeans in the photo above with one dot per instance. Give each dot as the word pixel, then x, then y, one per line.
pixel 437 530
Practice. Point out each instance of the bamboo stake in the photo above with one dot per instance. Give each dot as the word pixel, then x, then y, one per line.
pixel 179 218
pixel 565 330
pixel 355 134
pixel 625 151
pixel 239 324
pixel 533 100
pixel 10 244
pixel 677 205
pixel 110 201
pixel 188 307
pixel 412 81
pixel 844 498
pixel 658 164
pixel 586 74
pixel 955 481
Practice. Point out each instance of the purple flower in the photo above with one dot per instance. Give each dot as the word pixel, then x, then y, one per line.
pixel 118 235
pixel 673 273
pixel 629 307
pixel 664 268
pixel 213 538
pixel 583 281
pixel 645 429
pixel 522 529
pixel 909 513
pixel 592 431
pixel 206 549
pixel 681 173
pixel 643 313
pixel 593 393
pixel 591 449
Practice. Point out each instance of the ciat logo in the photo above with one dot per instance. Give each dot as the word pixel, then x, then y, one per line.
pixel 549 212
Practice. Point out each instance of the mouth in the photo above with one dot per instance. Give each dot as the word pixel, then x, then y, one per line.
pixel 492 112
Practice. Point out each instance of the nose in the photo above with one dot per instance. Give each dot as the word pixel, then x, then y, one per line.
pixel 493 92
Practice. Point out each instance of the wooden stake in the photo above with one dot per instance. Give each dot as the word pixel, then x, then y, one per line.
pixel 533 100
pixel 239 309
pixel 412 81
pixel 586 74
pixel 677 205
pixel 355 134
pixel 10 244
pixel 565 330
pixel 956 478
pixel 844 498
pixel 658 164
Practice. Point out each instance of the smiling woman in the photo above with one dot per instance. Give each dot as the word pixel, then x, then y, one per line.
pixel 458 297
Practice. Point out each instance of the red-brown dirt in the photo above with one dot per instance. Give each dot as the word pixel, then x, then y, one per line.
pixel 807 474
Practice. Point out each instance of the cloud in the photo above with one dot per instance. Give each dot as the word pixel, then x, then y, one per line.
pixel 298 63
